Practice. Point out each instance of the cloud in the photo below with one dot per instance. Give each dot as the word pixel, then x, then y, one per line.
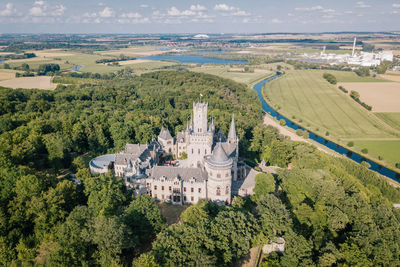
pixel 131 15
pixel 144 6
pixel 197 7
pixel 173 11
pixel 8 11
pixel 396 5
pixel 133 21
pixel 361 4
pixel 276 21
pixel 59 10
pixel 107 12
pixel 37 11
pixel 315 8
pixel 224 7
pixel 241 13
pixel 39 3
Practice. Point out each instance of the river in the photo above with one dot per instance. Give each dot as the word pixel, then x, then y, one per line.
pixel 336 147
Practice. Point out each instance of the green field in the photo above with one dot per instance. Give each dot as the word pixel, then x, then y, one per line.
pixel 322 107
pixel 391 118
pixel 237 76
pixel 350 76
pixel 389 150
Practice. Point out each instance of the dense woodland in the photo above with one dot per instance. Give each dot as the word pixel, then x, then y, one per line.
pixel 329 210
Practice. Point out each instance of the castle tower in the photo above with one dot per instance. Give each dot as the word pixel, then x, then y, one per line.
pixel 232 138
pixel 200 117
pixel 166 140
pixel 218 167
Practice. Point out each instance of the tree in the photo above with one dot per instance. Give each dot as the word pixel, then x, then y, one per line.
pixel 194 214
pixel 265 184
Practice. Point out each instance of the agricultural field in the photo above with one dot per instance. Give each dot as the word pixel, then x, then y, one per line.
pixel 307 96
pixel 38 82
pixel 388 149
pixel 6 75
pixel 322 107
pixel 350 76
pixel 236 74
pixel 391 118
pixel 383 97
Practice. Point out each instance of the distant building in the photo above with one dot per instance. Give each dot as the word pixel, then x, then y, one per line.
pixel 208 163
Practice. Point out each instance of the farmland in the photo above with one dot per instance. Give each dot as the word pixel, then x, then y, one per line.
pixel 234 74
pixel 305 97
pixel 39 82
pixel 388 149
pixel 391 118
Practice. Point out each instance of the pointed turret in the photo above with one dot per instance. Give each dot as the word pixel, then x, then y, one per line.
pixel 232 131
pixel 212 125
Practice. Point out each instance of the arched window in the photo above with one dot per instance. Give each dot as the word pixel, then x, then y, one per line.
pixel 227 190
pixel 218 191
pixel 205 151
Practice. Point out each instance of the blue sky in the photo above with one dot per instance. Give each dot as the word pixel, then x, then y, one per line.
pixel 188 16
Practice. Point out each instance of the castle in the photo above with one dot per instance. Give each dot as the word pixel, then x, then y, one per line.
pixel 207 165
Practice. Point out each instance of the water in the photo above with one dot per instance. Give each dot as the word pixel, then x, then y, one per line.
pixel 336 147
pixel 2 61
pixel 77 67
pixel 195 59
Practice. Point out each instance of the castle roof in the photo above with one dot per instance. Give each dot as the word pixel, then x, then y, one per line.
pixel 232 130
pixel 219 156
pixel 165 134
pixel 175 172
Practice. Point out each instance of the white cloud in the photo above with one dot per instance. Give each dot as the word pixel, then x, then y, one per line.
pixel 290 15
pixel 173 11
pixel 8 11
pixel 131 15
pixel 197 7
pixel 59 10
pixel 144 6
pixel 107 12
pixel 133 21
pixel 101 4
pixel 39 3
pixel 276 21
pixel 396 5
pixel 90 15
pixel 348 12
pixel 224 7
pixel 241 13
pixel 36 11
pixel 361 4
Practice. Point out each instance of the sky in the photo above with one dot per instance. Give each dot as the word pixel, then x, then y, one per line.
pixel 190 16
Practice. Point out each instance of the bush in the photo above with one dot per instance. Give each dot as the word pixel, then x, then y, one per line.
pixel 364 150
pixel 350 144
pixel 362 72
pixel 343 89
pixel 299 132
pixel 327 133
pixel 330 78
pixel 282 122
pixel 366 164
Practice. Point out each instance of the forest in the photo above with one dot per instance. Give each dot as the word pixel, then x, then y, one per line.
pixel 329 210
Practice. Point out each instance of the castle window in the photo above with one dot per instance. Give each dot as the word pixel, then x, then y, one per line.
pixel 192 198
pixel 192 151
pixel 205 151
pixel 170 188
pixel 226 174
pixel 155 195
pixel 227 190
pixel 192 189
pixel 218 191
pixel 184 198
pixel 162 188
pixel 162 197
pixel 218 175
pixel 199 190
pixel 184 189
pixel 155 187
pixel 199 151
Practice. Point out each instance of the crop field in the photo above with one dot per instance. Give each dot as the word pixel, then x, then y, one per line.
pixel 321 107
pixel 391 118
pixel 350 76
pixel 39 82
pixel 391 77
pixel 235 74
pixel 6 75
pixel 383 97
pixel 389 150
pixel 133 51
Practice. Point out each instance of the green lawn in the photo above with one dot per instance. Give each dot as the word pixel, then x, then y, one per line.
pixel 224 72
pixel 320 105
pixel 391 118
pixel 389 150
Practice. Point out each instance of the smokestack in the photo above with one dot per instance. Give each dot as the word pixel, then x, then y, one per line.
pixel 354 46
pixel 323 51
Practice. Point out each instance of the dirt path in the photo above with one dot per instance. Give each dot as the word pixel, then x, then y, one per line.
pixel 293 136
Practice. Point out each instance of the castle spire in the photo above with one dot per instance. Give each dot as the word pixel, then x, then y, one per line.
pixel 232 131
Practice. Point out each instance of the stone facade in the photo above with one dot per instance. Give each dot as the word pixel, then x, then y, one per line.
pixel 208 163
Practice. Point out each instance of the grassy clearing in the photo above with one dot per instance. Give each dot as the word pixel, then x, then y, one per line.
pixel 236 75
pixel 321 107
pixel 391 118
pixel 389 150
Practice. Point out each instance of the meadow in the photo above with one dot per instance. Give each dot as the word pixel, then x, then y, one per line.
pixel 391 118
pixel 234 74
pixel 389 150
